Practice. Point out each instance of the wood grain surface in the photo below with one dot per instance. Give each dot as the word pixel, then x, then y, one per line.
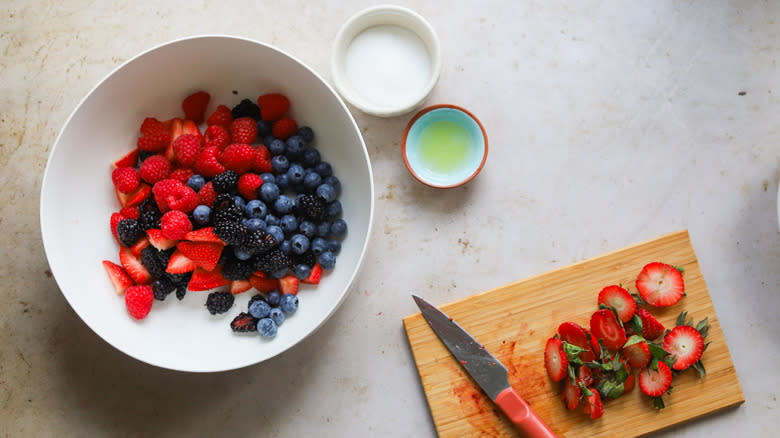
pixel 514 322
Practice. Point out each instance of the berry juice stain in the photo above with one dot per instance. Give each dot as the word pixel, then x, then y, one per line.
pixel 444 146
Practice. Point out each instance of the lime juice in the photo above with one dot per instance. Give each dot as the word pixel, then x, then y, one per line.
pixel 444 146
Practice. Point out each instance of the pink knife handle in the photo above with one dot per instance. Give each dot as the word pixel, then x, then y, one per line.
pixel 522 416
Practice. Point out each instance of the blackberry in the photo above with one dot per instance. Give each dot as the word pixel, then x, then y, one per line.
pixel 273 261
pixel 312 207
pixel 306 258
pixel 181 291
pixel 224 209
pixel 161 288
pixel 149 214
pixel 179 281
pixel 256 297
pixel 154 261
pixel 235 269
pixel 219 302
pixel 129 231
pixel 225 182
pixel 232 233
pixel 246 108
pixel 259 242
pixel 244 323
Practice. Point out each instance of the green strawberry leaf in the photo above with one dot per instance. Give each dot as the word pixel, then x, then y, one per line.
pixel 680 268
pixel 699 367
pixel 657 351
pixel 635 323
pixel 658 402
pixel 634 339
pixel 637 298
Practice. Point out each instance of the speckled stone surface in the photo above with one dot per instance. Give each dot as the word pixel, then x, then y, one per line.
pixel 609 123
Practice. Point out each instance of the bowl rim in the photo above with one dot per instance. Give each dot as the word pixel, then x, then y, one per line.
pixel 414 120
pixel 357 22
pixel 45 183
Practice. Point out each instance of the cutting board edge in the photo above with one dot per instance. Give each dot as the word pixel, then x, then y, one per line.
pixel 733 405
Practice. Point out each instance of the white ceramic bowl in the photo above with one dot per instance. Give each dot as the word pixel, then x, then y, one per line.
pixel 395 16
pixel 77 197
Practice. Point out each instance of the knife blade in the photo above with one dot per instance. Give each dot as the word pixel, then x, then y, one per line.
pixel 485 369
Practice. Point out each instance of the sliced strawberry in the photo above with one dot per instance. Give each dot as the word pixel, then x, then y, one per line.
pixel 157 240
pixel 592 405
pixel 195 105
pixel 555 360
pixel 118 276
pixel 628 385
pixel 135 197
pixel 686 344
pixel 289 284
pixel 606 327
pixel 570 394
pixel 133 266
pixel 263 284
pixel 203 254
pixel 314 277
pixel 204 280
pixel 651 327
pixel 574 334
pixel 585 376
pixel 115 219
pixel 128 160
pixel 239 286
pixel 142 243
pixel 619 299
pixel 203 235
pixel 175 130
pixel 655 382
pixel 594 344
pixel 179 264
pixel 660 285
pixel 637 354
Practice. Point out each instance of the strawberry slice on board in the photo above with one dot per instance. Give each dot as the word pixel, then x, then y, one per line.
pixel 651 327
pixel 133 266
pixel 570 394
pixel 203 254
pixel 686 344
pixel 605 326
pixel 637 352
pixel 592 404
pixel 660 285
pixel 574 334
pixel 655 383
pixel 555 360
pixel 119 278
pixel 619 299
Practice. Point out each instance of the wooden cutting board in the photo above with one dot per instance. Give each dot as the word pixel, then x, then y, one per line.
pixel 515 321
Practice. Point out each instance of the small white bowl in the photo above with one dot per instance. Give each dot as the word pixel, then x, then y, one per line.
pixel 396 81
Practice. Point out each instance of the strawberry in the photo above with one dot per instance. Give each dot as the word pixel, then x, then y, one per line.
pixel 575 335
pixel 284 128
pixel 592 405
pixel 628 385
pixel 175 224
pixel 203 235
pixel 619 299
pixel 238 157
pixel 207 164
pixel 181 174
pixel 142 243
pixel 248 184
pixel 129 212
pixel 130 159
pixel 660 285
pixel 203 254
pixel 134 198
pixel 605 326
pixel 686 344
pixel 204 280
pixel 273 106
pixel 186 149
pixel 637 353
pixel 133 266
pixel 655 382
pixel 157 240
pixel 155 168
pixel 651 327
pixel 243 130
pixel 195 105
pixel 239 286
pixel 155 136
pixel 217 136
pixel 179 263
pixel 586 376
pixel 222 116
pixel 118 277
pixel 289 285
pixel 188 127
pixel 207 195
pixel 314 276
pixel 555 360
pixel 115 219
pixel 125 179
pixel 570 394
pixel 263 284
pixel 138 300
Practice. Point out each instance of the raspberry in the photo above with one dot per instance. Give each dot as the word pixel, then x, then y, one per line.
pixel 207 194
pixel 125 179
pixel 130 212
pixel 248 184
pixel 238 157
pixel 138 300
pixel 273 106
pixel 262 163
pixel 194 106
pixel 155 168
pixel 186 149
pixel 175 224
pixel 151 125
pixel 181 174
pixel 221 116
pixel 284 128
pixel 155 136
pixel 185 200
pixel 207 164
pixel 171 194
pixel 243 130
pixel 218 136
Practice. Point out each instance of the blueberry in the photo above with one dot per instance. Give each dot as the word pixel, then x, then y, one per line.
pixel 201 214
pixel 275 231
pixel 323 229
pixel 259 309
pixel 311 181
pixel 277 316
pixel 280 273
pixel 302 272
pixel 241 253
pixel 327 260
pixel 324 169
pixel 306 133
pixel 308 229
pixel 255 209
pixel 326 192
pixel 288 223
pixel 283 204
pixel 289 303
pixel 310 157
pixel 254 224
pixel 300 244
pixel 295 147
pixel 267 328
pixel 338 228
pixel 295 173
pixel 333 182
pixel 319 245
pixel 240 202
pixel 269 192
pixel 280 164
pixel 283 181
pixel 196 182
pixel 263 128
pixel 267 177
pixel 275 147
pixel 334 209
pixel 334 246
pixel 274 298
pixel 271 220
pixel 285 247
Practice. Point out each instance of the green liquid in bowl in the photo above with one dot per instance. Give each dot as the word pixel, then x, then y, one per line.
pixel 444 146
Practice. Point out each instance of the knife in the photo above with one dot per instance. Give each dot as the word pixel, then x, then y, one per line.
pixel 489 372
